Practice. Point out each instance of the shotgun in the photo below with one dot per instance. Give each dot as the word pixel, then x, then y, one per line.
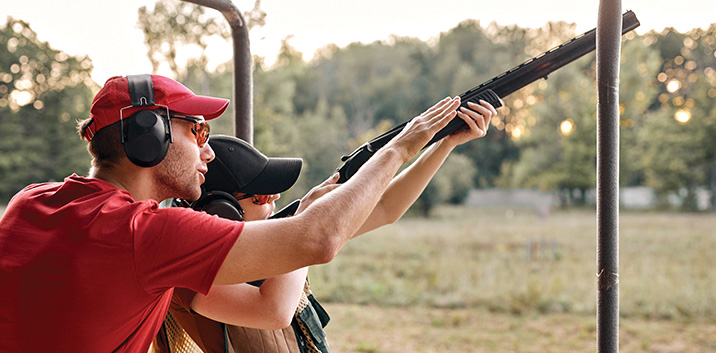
pixel 492 90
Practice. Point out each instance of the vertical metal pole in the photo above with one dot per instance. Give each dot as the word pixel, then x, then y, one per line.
pixel 243 101
pixel 609 29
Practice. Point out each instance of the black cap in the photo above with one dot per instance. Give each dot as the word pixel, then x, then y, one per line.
pixel 239 167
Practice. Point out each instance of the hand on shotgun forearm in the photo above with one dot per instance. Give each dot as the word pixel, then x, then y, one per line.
pixel 421 129
pixel 477 118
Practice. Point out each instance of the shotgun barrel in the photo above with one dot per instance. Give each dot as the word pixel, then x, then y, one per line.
pixel 493 89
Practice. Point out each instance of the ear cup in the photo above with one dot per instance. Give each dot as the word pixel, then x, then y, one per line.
pixel 145 135
pixel 221 204
pixel 146 138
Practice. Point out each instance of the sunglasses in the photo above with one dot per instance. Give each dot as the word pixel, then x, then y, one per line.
pixel 200 128
pixel 258 199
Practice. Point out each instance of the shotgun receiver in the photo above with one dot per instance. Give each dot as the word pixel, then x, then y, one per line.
pixel 492 90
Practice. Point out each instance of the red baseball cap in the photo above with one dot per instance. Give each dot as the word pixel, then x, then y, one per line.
pixel 114 96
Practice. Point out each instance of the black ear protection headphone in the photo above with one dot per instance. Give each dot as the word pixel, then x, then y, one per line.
pixel 146 135
pixel 225 205
pixel 219 203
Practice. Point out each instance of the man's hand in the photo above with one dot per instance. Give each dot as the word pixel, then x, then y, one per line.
pixel 421 129
pixel 477 118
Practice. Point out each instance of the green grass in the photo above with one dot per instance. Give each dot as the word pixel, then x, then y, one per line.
pixel 469 281
pixel 511 261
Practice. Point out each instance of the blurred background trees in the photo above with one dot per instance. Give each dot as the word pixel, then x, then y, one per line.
pixel 543 138
pixel 43 92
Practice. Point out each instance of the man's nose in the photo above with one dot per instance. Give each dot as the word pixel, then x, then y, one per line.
pixel 207 153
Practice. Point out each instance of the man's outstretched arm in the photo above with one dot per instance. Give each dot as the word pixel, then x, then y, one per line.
pixel 405 188
pixel 272 247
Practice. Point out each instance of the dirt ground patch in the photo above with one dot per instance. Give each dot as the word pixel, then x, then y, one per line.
pixel 360 329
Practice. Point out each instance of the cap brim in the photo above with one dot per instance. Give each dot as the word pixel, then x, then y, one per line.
pixel 278 176
pixel 209 107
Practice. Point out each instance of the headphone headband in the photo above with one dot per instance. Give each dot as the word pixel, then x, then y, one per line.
pixel 141 90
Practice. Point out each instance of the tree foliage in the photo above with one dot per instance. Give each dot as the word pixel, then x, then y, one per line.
pixel 676 139
pixel 318 110
pixel 172 28
pixel 43 92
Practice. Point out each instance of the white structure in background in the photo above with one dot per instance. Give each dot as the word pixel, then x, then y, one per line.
pixel 635 197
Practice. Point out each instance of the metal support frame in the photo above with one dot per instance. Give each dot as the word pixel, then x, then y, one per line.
pixel 243 100
pixel 609 29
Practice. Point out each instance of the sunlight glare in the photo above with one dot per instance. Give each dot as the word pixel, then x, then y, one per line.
pixel 22 98
pixel 566 127
pixel 673 86
pixel 683 116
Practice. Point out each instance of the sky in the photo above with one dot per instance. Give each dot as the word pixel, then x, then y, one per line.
pixel 107 31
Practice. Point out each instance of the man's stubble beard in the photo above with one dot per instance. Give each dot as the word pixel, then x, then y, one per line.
pixel 175 179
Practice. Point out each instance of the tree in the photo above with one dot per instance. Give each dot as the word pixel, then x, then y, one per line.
pixel 318 133
pixel 638 89
pixel 679 151
pixel 42 96
pixel 558 152
pixel 172 28
pixel 175 30
pixel 371 82
pixel 466 56
pixel 553 123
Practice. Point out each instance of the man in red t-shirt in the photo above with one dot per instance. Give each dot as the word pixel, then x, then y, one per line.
pixel 89 264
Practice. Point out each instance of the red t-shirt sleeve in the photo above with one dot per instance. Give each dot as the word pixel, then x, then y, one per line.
pixel 180 247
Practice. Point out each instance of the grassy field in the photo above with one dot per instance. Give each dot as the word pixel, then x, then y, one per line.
pixel 505 280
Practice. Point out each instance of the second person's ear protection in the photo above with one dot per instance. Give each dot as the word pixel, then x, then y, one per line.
pixel 225 205
pixel 219 203
pixel 145 135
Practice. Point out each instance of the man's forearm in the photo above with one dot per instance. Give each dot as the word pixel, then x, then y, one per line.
pixel 358 196
pixel 405 188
